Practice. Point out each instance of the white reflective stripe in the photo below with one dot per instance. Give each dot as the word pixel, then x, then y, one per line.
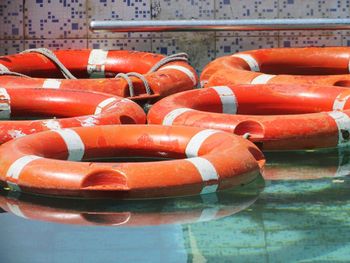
pixel 51 84
pixel 17 166
pixel 96 63
pixel 208 189
pixel 52 124
pixel 205 168
pixel 253 64
pixel 15 210
pixel 209 214
pixel 262 79
pixel 228 99
pixel 343 123
pixel 343 162
pixel 171 116
pixel 340 101
pixel 196 142
pixel 103 104
pixel 98 57
pixel 5 107
pixel 185 70
pixel 75 145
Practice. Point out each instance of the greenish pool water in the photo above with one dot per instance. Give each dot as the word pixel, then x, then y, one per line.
pixel 299 214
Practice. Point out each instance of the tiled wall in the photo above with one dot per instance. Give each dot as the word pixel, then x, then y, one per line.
pixel 61 24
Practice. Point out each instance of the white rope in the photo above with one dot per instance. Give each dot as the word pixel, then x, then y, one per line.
pixel 50 55
pixel 5 71
pixel 158 65
pixel 166 60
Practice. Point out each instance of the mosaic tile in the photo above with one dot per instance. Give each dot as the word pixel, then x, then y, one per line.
pixel 346 41
pixel 310 41
pixel 55 19
pixel 55 44
pixel 229 45
pixel 11 19
pixel 199 46
pixel 11 46
pixel 314 9
pixel 239 9
pixel 117 44
pixel 182 9
pixel 118 10
pixel 246 9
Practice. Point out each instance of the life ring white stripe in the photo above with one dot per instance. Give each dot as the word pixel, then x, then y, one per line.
pixel 171 116
pixel 96 63
pixel 51 84
pixel 343 123
pixel 253 64
pixel 17 166
pixel 103 104
pixel 15 210
pixel 340 101
pixel 205 168
pixel 183 70
pixel 262 79
pixel 196 142
pixel 5 107
pixel 343 162
pixel 208 214
pixel 75 145
pixel 208 189
pixel 228 99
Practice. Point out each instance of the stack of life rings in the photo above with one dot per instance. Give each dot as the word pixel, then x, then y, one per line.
pixel 204 140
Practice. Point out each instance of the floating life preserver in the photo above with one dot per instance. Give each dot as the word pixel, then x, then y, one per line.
pixel 132 74
pixel 276 117
pixel 311 65
pixel 181 210
pixel 47 162
pixel 72 109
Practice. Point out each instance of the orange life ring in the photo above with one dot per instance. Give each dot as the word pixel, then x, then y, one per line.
pixel 311 65
pixel 184 210
pixel 163 75
pixel 72 108
pixel 46 163
pixel 277 117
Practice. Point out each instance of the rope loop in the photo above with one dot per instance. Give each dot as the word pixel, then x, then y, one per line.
pixel 175 57
pixel 50 55
pixel 5 71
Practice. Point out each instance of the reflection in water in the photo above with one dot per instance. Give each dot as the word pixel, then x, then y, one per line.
pixel 131 213
pixel 301 215
pixel 291 221
pixel 304 165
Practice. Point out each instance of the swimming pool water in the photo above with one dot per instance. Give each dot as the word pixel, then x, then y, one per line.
pixel 299 214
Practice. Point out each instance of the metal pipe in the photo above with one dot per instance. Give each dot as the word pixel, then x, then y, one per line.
pixel 220 25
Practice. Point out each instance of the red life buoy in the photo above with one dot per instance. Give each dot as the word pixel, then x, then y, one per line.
pixel 47 162
pixel 182 210
pixel 311 65
pixel 72 109
pixel 142 76
pixel 277 117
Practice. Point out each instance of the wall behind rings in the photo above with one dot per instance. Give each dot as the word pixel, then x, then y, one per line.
pixel 63 24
